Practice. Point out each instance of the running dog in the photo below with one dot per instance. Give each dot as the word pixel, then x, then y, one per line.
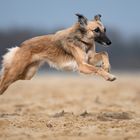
pixel 69 49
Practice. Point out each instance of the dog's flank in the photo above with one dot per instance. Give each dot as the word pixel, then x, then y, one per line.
pixel 69 49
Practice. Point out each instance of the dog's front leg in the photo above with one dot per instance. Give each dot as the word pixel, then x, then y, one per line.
pixel 86 68
pixel 93 58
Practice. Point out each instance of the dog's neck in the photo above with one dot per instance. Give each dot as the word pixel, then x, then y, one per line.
pixel 94 47
pixel 90 47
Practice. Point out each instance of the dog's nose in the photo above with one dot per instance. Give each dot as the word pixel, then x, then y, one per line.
pixel 108 42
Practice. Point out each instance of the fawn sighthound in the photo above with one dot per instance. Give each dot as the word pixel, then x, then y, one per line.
pixel 69 49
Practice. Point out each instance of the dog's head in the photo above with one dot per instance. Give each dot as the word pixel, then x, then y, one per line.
pixel 94 29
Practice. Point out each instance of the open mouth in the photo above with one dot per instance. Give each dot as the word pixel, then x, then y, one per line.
pixel 104 44
pixel 103 40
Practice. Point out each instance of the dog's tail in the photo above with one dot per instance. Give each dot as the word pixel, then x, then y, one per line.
pixel 7 66
pixel 8 58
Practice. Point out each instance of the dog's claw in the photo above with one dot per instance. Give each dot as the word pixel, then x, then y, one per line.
pixel 113 78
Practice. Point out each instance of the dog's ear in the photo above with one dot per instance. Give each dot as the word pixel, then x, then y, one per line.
pixel 82 20
pixel 97 17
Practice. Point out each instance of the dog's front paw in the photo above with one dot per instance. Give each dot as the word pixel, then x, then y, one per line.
pixel 107 68
pixel 111 78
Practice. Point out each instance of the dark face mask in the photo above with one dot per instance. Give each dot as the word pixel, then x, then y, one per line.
pixel 103 39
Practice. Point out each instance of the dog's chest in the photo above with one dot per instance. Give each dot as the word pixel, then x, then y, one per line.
pixel 68 65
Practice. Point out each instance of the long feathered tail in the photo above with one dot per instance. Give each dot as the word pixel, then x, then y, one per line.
pixel 6 64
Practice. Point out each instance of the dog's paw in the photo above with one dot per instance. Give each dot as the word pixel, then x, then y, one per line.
pixel 111 78
pixel 107 68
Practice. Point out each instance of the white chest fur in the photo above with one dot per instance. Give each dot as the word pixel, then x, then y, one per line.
pixel 70 65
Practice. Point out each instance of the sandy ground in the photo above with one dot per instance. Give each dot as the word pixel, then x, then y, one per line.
pixel 71 107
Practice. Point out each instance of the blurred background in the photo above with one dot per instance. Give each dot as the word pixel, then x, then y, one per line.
pixel 21 20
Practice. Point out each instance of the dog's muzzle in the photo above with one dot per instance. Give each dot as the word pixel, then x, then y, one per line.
pixel 103 39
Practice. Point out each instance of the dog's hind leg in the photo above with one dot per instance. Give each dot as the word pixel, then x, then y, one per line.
pixel 15 73
pixel 13 66
pixel 9 76
pixel 101 56
pixel 30 71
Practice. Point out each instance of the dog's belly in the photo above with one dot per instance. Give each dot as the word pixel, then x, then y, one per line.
pixel 68 66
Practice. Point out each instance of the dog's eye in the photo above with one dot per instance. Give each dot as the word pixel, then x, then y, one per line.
pixel 97 30
pixel 104 29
